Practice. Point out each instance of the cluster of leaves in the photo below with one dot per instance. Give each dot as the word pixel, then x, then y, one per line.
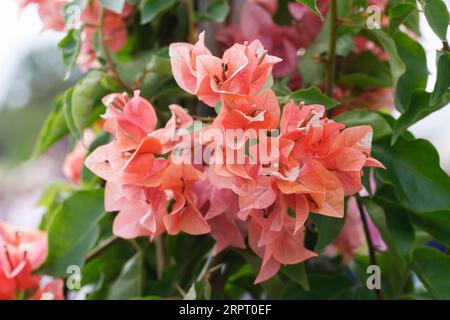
pixel 410 207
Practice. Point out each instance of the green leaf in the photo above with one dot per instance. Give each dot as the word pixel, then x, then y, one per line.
pixel 365 70
pixel 297 273
pixel 53 130
pixel 72 230
pixel 200 290
pixel 69 47
pixel 113 5
pixel 216 11
pixel 442 78
pixel 160 63
pixel 322 287
pixel 313 95
pixel 85 97
pixel 357 117
pixel 436 223
pixel 420 107
pixel 437 16
pixel 412 168
pixel 312 5
pixel 69 115
pixel 329 228
pixel 398 13
pixel 150 9
pixel 416 73
pixel 395 62
pixel 52 191
pixel 432 268
pixel 130 282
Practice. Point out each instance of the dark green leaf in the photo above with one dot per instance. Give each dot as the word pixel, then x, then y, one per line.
pixel 436 223
pixel 442 78
pixel 52 191
pixel 329 229
pixel 432 268
pixel 72 230
pixel 130 282
pixel 85 97
pixel 69 115
pixel 398 13
pixel 395 62
pixel 313 95
pixel 312 5
pixel 53 130
pixel 216 11
pixel 420 107
pixel 297 273
pixel 200 290
pixel 437 16
pixel 150 9
pixel 69 47
pixel 416 74
pixel 412 168
pixel 322 287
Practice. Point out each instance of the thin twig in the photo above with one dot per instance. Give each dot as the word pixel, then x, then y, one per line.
pixel 107 53
pixel 332 48
pixel 373 258
pixel 191 22
pixel 101 248
pixel 160 256
pixel 203 118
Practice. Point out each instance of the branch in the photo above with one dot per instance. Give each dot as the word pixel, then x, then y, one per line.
pixel 373 258
pixel 161 256
pixel 101 247
pixel 331 66
pixel 108 55
pixel 191 22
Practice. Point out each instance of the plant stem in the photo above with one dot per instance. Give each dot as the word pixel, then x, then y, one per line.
pixel 331 61
pixel 205 270
pixel 101 247
pixel 203 118
pixel 445 46
pixel 161 256
pixel 191 22
pixel 108 55
pixel 372 255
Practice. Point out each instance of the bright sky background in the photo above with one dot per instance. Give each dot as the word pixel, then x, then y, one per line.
pixel 20 32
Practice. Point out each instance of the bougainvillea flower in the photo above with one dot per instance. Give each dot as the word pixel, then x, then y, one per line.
pixel 73 163
pixel 183 58
pixel 141 210
pixel 21 252
pixel 249 112
pixel 114 32
pixel 256 23
pixel 243 69
pixel 53 290
pixel 50 12
pixel 276 246
pixel 129 120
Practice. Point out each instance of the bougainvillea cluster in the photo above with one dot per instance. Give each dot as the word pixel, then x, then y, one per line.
pixel 21 253
pixel 318 161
